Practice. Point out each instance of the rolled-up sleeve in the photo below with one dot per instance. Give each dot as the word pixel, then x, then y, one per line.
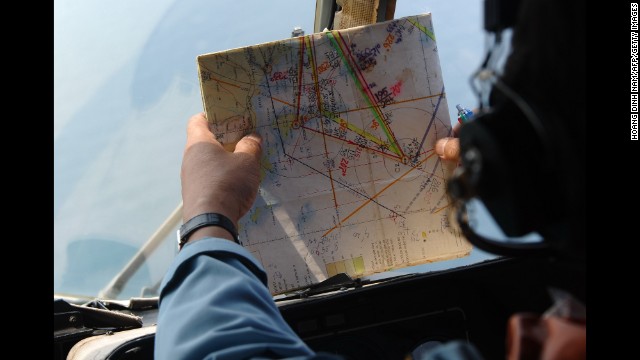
pixel 215 304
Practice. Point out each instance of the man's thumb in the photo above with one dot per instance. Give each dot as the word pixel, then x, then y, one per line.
pixel 250 144
pixel 198 130
pixel 448 148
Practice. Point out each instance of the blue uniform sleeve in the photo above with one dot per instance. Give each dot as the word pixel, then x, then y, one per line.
pixel 215 304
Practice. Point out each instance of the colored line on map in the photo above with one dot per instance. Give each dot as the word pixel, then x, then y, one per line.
pixel 392 103
pixel 352 127
pixel 368 91
pixel 376 195
pixel 312 59
pixel 225 82
pixel 275 114
pixel 440 209
pixel 364 89
pixel 346 186
pixel 421 27
pixel 352 143
pixel 282 101
pixel 433 117
pixel 300 65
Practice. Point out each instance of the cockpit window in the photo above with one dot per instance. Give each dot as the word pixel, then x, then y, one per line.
pixel 125 85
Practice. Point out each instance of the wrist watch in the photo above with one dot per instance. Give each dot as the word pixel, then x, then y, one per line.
pixel 203 220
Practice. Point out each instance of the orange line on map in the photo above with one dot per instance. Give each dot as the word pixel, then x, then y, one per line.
pixel 226 82
pixel 281 101
pixel 376 195
pixel 440 209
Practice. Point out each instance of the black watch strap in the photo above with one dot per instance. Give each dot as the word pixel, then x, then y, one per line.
pixel 203 220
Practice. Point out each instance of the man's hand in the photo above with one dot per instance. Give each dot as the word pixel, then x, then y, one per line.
pixel 449 148
pixel 215 180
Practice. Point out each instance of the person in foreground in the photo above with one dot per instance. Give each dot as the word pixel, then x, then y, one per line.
pixel 214 299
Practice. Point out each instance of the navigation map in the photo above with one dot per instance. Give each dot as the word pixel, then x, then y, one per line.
pixel 349 118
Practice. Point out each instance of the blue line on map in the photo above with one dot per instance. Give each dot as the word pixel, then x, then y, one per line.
pixel 433 117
